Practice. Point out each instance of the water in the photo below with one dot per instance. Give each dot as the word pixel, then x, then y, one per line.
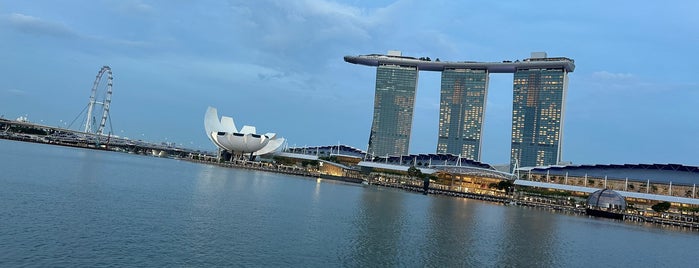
pixel 71 207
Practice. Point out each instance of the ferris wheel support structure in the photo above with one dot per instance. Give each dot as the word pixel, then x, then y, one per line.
pixel 103 102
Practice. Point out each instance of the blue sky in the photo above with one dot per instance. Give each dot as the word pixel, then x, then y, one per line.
pixel 278 65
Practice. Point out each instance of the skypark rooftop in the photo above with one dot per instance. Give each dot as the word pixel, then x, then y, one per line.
pixel 425 64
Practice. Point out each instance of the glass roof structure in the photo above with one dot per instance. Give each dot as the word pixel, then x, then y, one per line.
pixel 606 199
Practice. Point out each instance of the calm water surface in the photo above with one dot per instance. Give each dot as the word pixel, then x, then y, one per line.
pixel 72 207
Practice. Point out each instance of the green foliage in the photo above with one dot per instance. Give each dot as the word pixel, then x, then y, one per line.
pixel 310 163
pixel 330 158
pixel 661 207
pixel 690 209
pixel 505 184
pixel 414 172
pixel 284 160
pixel 389 172
pixel 544 192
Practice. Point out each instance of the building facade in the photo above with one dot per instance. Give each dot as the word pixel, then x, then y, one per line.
pixel 394 102
pixel 461 111
pixel 539 90
pixel 537 116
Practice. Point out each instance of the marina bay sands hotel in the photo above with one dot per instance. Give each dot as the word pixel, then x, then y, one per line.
pixel 538 105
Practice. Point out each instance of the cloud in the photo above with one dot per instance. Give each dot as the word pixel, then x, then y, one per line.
pixel 133 6
pixel 17 92
pixel 613 83
pixel 612 76
pixel 37 26
pixel 33 25
pixel 120 42
pixel 299 28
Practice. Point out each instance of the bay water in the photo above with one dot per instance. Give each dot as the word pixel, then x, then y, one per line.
pixel 70 207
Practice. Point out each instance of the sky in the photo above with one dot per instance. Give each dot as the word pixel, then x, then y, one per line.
pixel 278 65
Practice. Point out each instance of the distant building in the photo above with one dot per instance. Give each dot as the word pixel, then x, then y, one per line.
pixel 539 90
pixel 537 115
pixel 393 109
pixel 461 109
pixel 638 183
pixel 223 133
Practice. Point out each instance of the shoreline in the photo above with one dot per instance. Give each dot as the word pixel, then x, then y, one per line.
pixel 504 200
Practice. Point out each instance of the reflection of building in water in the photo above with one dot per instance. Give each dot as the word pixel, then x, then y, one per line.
pixel 379 224
pixel 453 223
pixel 542 241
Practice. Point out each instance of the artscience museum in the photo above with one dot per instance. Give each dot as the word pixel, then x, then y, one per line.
pixel 223 133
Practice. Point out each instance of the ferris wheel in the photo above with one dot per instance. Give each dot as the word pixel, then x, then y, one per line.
pixel 100 99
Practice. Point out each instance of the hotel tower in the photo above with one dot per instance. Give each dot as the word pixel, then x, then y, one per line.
pixel 538 105
pixel 394 103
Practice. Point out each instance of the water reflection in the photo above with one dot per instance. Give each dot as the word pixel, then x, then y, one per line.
pixel 450 237
pixel 89 209
pixel 528 243
pixel 379 225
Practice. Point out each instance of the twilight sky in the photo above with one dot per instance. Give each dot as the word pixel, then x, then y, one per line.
pixel 633 98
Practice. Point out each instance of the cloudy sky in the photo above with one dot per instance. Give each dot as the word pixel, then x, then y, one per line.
pixel 278 65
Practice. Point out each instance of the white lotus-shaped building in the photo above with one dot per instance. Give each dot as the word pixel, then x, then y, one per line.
pixel 225 135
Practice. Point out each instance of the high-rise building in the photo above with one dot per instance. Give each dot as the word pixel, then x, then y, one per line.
pixel 537 115
pixel 394 101
pixel 540 85
pixel 461 110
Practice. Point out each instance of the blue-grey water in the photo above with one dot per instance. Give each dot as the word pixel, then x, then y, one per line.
pixel 67 207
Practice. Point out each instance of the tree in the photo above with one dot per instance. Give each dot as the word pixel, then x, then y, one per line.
pixel 414 172
pixel 505 184
pixel 661 207
pixel 310 163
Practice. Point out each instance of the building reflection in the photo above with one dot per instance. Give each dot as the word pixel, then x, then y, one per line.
pixel 528 243
pixel 450 232
pixel 379 222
